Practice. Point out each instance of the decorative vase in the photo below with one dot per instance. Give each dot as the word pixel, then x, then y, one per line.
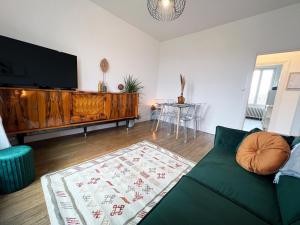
pixel 104 88
pixel 100 86
pixel 181 99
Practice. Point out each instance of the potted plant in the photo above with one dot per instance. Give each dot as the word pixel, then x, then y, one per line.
pixel 132 85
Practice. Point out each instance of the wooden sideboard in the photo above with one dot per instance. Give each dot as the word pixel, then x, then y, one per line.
pixel 25 110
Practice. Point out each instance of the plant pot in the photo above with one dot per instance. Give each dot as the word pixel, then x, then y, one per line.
pixel 181 99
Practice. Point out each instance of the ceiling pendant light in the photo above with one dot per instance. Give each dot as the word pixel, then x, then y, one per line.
pixel 165 10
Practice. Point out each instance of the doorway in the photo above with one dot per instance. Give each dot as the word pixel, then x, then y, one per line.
pixel 263 90
pixel 272 105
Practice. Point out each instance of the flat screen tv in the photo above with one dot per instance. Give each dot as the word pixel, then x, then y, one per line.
pixel 27 65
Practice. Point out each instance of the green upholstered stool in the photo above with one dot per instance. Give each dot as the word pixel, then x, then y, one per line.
pixel 16 168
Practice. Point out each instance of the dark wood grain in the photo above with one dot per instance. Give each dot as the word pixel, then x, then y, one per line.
pixel 30 110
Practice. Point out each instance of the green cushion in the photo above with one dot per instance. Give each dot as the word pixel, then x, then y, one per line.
pixel 219 172
pixel 288 193
pixel 289 139
pixel 16 168
pixel 192 204
pixel 229 138
pixel 296 141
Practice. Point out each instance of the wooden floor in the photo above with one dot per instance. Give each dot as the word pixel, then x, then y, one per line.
pixel 28 206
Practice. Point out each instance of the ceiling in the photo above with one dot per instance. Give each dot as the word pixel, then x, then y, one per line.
pixel 198 14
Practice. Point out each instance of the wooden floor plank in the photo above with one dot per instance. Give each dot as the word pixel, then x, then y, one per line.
pixel 28 207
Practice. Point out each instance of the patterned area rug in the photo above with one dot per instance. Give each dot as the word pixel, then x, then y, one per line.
pixel 118 188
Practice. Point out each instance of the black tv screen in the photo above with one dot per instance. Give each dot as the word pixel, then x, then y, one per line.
pixel 27 65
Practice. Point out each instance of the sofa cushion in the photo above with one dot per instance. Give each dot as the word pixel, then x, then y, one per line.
pixel 289 140
pixel 263 153
pixel 190 203
pixel 229 138
pixel 296 141
pixel 219 172
pixel 288 192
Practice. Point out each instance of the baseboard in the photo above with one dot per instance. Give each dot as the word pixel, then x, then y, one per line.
pixel 62 133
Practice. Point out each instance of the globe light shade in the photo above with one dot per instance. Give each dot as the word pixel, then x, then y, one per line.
pixel 165 10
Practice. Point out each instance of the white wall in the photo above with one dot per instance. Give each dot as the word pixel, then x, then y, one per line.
pixel 82 28
pixel 219 62
pixel 284 114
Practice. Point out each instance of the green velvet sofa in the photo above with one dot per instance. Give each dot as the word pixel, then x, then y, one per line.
pixel 217 191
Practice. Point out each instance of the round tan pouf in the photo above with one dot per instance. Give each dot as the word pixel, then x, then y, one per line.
pixel 263 153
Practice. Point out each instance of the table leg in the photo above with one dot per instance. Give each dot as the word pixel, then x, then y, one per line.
pixel 178 121
pixel 159 118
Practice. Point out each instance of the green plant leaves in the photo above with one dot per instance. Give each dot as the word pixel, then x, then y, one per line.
pixel 132 84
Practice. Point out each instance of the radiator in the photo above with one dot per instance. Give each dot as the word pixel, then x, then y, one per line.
pixel 254 112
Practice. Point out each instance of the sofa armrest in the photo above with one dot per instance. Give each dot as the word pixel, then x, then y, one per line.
pixel 288 195
pixel 228 138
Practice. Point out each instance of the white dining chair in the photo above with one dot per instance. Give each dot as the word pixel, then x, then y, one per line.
pixel 165 112
pixel 194 115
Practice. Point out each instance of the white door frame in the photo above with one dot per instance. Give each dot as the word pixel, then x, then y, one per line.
pixel 281 84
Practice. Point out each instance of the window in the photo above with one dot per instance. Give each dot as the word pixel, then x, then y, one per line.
pixel 262 81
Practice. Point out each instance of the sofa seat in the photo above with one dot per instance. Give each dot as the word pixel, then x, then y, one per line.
pixel 220 173
pixel 192 204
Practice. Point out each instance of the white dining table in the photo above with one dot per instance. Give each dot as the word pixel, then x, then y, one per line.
pixel 179 108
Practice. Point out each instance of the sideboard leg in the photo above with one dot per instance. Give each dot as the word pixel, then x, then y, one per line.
pixel 127 125
pixel 85 131
pixel 117 123
pixel 20 138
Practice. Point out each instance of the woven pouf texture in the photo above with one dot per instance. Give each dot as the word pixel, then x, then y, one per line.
pixel 16 168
